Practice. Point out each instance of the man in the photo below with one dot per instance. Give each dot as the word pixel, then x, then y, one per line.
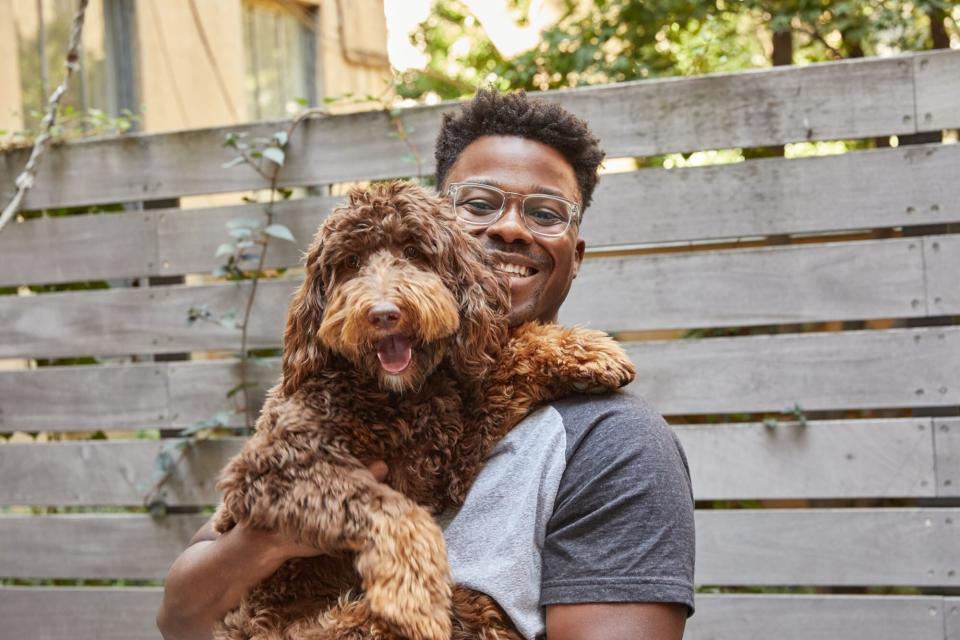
pixel 580 525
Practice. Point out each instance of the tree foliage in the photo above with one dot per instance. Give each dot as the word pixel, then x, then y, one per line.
pixel 603 41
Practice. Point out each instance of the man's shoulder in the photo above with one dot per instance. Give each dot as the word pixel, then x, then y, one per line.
pixel 612 421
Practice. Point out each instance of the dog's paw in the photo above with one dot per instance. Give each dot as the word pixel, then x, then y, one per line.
pixel 407 577
pixel 606 367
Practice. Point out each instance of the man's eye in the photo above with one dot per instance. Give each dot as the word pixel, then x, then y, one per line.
pixel 479 205
pixel 545 217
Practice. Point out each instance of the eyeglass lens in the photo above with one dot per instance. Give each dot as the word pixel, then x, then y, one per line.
pixel 482 205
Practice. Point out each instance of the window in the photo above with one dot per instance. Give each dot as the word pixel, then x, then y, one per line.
pixel 280 57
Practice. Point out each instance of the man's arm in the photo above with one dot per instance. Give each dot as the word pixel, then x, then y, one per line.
pixel 215 572
pixel 620 621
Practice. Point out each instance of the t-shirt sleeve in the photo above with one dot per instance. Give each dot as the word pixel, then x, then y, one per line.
pixel 622 528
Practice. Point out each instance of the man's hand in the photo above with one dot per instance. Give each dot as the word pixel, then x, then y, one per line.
pixel 621 621
pixel 215 572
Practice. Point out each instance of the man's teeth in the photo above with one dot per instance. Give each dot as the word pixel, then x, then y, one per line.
pixel 515 269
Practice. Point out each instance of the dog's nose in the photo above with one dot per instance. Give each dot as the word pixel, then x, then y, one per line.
pixel 384 315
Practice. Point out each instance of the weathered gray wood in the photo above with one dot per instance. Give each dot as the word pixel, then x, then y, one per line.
pixel 802 283
pixel 188 240
pixel 849 99
pixel 908 185
pixel 941 255
pixel 109 473
pixel 829 459
pixel 937 91
pixel 84 398
pixel 106 545
pixel 77 613
pixel 127 614
pixel 842 459
pixel 946 433
pixel 791 617
pixel 77 248
pixel 839 547
pixel 822 371
pixel 909 547
pixel 951 612
pixel 139 320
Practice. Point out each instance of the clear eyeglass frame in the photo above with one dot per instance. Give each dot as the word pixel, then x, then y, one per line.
pixel 573 208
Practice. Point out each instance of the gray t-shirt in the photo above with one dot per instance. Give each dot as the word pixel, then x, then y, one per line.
pixel 586 500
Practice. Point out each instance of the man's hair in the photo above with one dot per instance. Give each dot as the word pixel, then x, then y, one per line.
pixel 491 113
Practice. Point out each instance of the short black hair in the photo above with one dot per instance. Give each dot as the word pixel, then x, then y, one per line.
pixel 492 113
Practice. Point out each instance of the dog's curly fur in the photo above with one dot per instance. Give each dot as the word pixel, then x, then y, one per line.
pixel 336 409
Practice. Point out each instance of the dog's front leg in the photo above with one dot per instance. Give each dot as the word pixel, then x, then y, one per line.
pixel 401 556
pixel 549 361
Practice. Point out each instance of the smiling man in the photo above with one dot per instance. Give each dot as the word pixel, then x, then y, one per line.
pixel 580 525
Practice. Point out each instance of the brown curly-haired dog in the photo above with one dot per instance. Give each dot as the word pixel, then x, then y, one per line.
pixel 396 348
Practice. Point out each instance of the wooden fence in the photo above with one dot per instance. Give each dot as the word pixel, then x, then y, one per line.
pixel 844 267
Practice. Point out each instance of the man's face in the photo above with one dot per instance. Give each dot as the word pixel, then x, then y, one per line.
pixel 521 165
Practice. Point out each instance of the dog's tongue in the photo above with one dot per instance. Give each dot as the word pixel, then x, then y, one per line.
pixel 394 353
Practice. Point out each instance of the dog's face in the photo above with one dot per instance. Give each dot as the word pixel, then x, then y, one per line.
pixel 394 286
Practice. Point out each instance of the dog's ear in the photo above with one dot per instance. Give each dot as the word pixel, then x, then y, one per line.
pixel 484 302
pixel 303 353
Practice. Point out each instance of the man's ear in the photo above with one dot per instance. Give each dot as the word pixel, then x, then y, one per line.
pixel 578 256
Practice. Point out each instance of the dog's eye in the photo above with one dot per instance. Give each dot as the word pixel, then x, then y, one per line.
pixel 410 252
pixel 353 261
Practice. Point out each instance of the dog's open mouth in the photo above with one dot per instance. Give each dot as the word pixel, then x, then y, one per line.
pixel 395 353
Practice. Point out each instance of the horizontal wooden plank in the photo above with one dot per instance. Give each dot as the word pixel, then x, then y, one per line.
pixel 946 433
pixel 77 613
pixel 800 283
pixel 792 617
pixel 849 99
pixel 78 248
pixel 84 398
pixel 840 459
pixel 842 547
pixel 937 91
pixel 128 614
pixel 818 371
pixel 879 188
pixel 908 185
pixel 839 547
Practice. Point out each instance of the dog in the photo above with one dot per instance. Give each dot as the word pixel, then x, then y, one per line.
pixel 396 348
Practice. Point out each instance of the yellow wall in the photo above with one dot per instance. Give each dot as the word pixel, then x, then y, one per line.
pixel 178 81
pixel 9 71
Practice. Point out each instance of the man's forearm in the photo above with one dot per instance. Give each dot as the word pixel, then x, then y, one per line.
pixel 211 577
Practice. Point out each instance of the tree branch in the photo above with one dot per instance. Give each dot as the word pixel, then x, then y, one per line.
pixel 26 179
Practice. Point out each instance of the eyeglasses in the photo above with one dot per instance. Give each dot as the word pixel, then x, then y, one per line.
pixel 482 205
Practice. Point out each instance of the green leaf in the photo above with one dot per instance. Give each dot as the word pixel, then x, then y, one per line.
pixel 274 155
pixel 281 139
pixel 157 508
pixel 280 231
pixel 225 249
pixel 240 232
pixel 249 223
pixel 233 163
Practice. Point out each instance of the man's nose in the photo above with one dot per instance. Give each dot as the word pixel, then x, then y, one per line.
pixel 510 227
